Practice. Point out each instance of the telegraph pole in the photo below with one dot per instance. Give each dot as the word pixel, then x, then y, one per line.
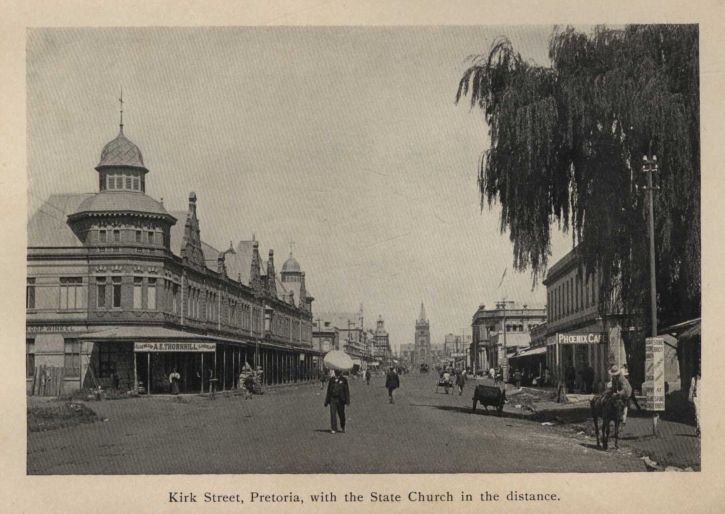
pixel 505 365
pixel 649 168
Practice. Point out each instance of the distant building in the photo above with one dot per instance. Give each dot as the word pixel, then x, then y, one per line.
pixel 406 354
pixel 422 354
pixel 456 349
pixel 352 336
pixel 381 343
pixel 325 338
pixel 490 325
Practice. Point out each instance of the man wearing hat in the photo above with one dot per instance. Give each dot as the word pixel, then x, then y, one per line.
pixel 621 387
pixel 338 396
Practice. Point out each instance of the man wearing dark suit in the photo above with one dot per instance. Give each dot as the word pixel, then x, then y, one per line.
pixel 338 396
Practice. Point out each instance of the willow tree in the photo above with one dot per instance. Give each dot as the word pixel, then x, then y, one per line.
pixel 566 143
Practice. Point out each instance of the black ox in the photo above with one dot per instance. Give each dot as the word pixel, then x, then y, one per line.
pixel 489 396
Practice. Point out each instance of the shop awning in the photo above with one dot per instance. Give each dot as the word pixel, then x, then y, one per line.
pixel 539 350
pixel 161 334
pixel 143 333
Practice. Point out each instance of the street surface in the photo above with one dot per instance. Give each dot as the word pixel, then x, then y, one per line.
pixel 287 431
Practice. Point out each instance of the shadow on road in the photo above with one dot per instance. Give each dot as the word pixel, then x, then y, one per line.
pixel 467 410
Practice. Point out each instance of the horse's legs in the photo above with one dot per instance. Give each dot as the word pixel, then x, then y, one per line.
pixel 616 432
pixel 605 431
pixel 596 427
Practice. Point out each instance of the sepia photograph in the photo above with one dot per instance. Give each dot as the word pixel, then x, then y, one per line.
pixel 363 250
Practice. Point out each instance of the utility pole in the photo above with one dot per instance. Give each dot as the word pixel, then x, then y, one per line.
pixel 505 366
pixel 649 167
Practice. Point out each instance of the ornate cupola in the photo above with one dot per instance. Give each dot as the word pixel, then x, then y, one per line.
pixel 121 167
pixel 121 213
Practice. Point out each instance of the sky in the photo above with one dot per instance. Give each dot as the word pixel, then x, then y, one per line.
pixel 344 144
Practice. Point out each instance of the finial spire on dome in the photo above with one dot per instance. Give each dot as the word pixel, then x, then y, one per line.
pixel 120 100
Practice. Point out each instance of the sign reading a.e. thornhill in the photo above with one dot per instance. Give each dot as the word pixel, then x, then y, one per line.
pixel 174 347
pixel 654 386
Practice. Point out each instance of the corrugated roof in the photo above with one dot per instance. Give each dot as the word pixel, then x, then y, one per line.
pixel 48 226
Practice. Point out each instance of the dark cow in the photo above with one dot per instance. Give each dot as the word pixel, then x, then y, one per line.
pixel 609 407
pixel 489 396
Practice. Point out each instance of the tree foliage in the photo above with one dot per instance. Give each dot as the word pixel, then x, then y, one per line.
pixel 566 148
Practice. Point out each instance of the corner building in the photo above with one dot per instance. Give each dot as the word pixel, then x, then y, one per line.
pixel 117 286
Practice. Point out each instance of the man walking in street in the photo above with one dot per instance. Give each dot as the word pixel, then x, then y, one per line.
pixel 392 382
pixel 461 381
pixel 338 396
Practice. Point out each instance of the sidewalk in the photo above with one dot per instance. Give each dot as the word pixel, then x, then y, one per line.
pixel 677 444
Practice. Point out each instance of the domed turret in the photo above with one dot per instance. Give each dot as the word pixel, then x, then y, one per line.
pixel 291 265
pixel 121 167
pixel 121 152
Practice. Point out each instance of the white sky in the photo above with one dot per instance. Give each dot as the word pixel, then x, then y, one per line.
pixel 344 140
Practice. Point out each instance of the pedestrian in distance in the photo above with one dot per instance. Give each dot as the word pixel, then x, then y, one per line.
pixel 338 397
pixel 367 376
pixel 446 380
pixel 175 378
pixel 392 382
pixel 461 381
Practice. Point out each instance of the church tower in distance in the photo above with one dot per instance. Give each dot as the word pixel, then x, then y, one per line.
pixel 422 339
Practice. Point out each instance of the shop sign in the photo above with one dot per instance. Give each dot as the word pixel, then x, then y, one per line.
pixel 174 347
pixel 54 329
pixel 588 338
pixel 654 385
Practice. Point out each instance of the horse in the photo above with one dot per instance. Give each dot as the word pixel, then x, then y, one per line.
pixel 609 407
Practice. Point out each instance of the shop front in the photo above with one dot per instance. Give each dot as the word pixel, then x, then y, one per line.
pixel 580 360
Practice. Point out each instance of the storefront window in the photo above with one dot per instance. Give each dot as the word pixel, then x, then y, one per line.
pixel 72 358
